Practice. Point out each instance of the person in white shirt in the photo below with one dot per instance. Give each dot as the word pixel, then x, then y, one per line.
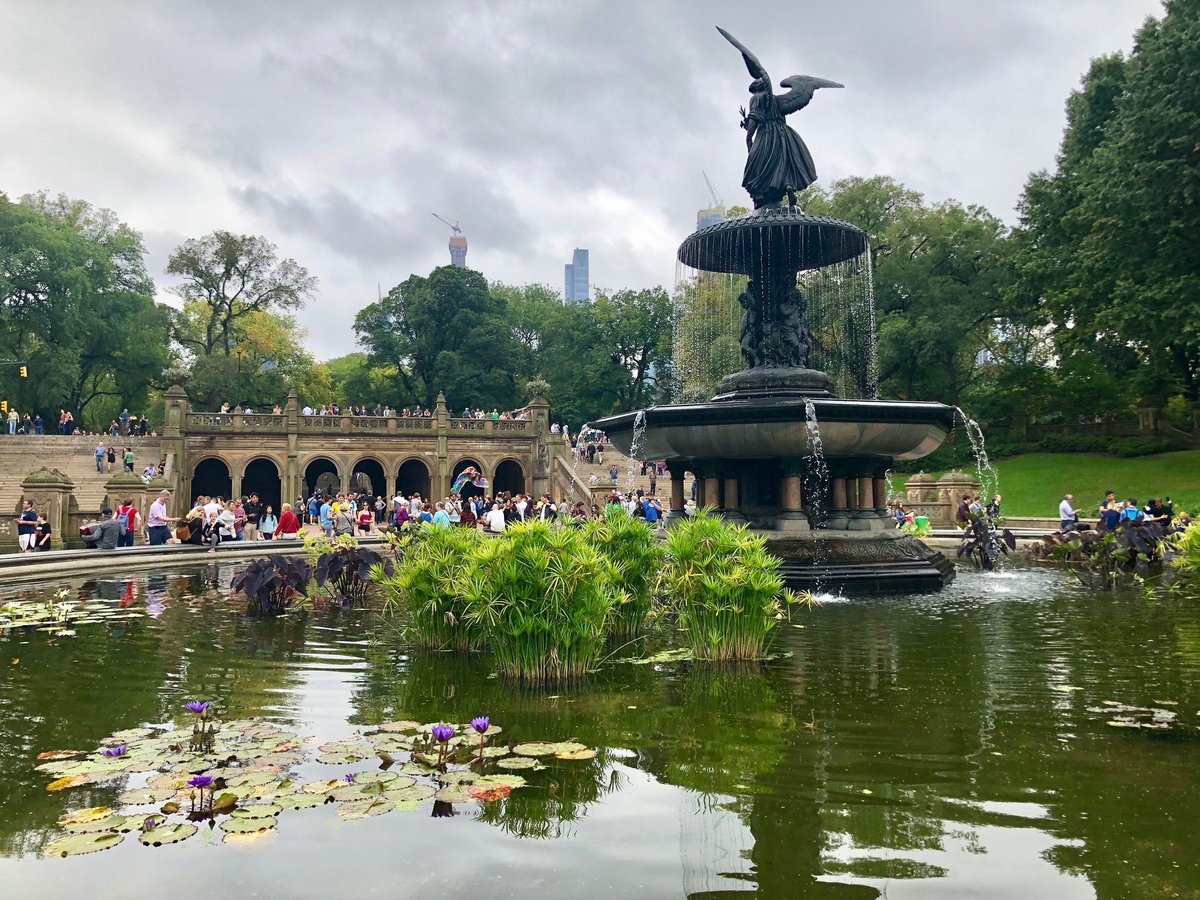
pixel 415 505
pixel 495 519
pixel 1067 513
pixel 308 411
pixel 521 504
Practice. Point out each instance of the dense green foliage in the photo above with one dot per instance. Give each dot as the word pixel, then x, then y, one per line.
pixel 636 554
pixel 542 597
pixel 426 585
pixel 724 587
pixel 77 305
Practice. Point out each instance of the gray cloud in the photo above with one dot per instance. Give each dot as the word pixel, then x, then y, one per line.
pixel 335 129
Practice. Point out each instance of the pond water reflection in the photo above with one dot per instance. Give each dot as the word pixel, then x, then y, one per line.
pixel 909 747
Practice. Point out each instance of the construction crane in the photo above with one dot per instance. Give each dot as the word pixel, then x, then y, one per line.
pixel 716 200
pixel 454 225
pixel 458 243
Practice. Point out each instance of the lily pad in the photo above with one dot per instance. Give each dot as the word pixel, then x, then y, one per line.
pixel 252 837
pixel 397 727
pixel 582 753
pixel 518 762
pixel 141 796
pixel 462 777
pixel 109 823
pixel 455 793
pixel 80 816
pixel 489 793
pixel 130 734
pixel 247 826
pixel 79 844
pixel 67 781
pixel 257 811
pixel 500 778
pixel 167 834
pixel 536 748
pixel 225 801
pixel 300 801
pixel 414 794
pixel 322 787
pixel 415 768
pixel 495 752
pixel 369 806
pixel 342 757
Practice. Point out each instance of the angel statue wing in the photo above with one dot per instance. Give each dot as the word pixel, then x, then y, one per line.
pixel 752 63
pixel 802 89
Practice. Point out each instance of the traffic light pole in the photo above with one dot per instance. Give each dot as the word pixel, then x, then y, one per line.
pixel 22 372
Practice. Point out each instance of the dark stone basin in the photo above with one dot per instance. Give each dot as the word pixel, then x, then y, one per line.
pixel 786 237
pixel 776 428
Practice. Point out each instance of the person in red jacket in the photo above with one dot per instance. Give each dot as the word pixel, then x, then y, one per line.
pixel 289 525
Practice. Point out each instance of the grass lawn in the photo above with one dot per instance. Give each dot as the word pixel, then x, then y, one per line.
pixel 1033 485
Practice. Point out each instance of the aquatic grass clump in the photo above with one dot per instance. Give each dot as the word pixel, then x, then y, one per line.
pixel 633 548
pixel 724 587
pixel 426 584
pixel 542 597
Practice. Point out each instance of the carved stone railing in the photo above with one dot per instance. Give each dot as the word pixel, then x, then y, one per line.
pixel 513 425
pixel 209 421
pixel 255 423
pixel 268 422
pixel 468 424
pixel 320 423
pixel 413 423
pixel 368 423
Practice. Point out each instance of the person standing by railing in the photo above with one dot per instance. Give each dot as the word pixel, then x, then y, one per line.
pixel 158 523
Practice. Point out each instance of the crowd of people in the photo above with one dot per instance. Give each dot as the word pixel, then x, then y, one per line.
pixel 1112 512
pixel 381 410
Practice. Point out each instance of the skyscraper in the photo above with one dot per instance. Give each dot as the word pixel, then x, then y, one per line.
pixel 576 283
pixel 710 216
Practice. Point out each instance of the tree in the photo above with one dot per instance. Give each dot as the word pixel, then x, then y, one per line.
pixel 938 273
pixel 443 333
pixel 636 326
pixel 77 305
pixel 563 343
pixel 226 280
pixel 706 346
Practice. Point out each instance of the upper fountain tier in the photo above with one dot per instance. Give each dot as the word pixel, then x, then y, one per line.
pixel 782 237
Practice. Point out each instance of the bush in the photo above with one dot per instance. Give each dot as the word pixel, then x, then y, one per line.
pixel 427 581
pixel 724 587
pixel 636 554
pixel 542 598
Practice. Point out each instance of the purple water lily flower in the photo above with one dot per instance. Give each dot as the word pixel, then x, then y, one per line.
pixel 198 707
pixel 481 723
pixel 201 781
pixel 119 750
pixel 350 778
pixel 443 733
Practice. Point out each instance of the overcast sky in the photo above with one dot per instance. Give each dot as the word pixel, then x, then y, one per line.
pixel 335 129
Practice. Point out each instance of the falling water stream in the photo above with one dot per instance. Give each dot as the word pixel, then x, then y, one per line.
pixel 635 449
pixel 989 478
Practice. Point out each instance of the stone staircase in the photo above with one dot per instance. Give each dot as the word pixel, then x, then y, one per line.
pixel 604 484
pixel 73 455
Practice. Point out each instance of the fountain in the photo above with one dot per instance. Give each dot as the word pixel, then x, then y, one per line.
pixel 774 447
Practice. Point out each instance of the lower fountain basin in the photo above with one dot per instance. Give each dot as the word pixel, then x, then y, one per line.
pixel 765 428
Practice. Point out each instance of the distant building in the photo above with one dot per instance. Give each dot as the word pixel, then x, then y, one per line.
pixel 710 216
pixel 458 250
pixel 576 280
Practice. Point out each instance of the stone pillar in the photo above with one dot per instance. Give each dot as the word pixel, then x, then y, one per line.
pixel 539 421
pixel 712 491
pixel 439 484
pixel 123 486
pixel 51 491
pixel 678 503
pixel 174 438
pixel 791 514
pixel 864 518
pixel 731 507
pixel 839 514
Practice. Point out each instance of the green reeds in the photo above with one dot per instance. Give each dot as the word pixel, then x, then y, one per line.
pixel 724 587
pixel 542 597
pixel 636 555
pixel 427 585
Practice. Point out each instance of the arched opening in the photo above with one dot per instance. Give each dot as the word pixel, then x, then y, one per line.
pixel 367 478
pixel 413 478
pixel 262 478
pixel 509 477
pixel 321 475
pixel 211 478
pixel 469 486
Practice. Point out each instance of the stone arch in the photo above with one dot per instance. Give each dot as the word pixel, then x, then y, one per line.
pixel 468 489
pixel 212 478
pixel 262 476
pixel 368 475
pixel 413 477
pixel 322 472
pixel 509 476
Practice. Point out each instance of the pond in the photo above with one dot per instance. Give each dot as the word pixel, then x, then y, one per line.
pixel 921 746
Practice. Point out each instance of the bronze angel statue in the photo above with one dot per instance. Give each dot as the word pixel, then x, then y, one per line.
pixel 778 164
